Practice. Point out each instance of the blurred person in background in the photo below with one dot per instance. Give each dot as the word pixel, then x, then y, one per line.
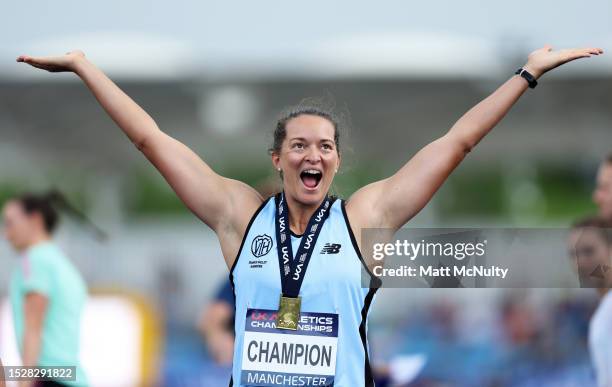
pixel 47 293
pixel 1 374
pixel 602 195
pixel 306 155
pixel 590 245
pixel 217 325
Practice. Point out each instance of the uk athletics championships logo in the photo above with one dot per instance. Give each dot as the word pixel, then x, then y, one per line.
pixel 261 245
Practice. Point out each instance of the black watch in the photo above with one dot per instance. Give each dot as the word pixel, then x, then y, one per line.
pixel 528 77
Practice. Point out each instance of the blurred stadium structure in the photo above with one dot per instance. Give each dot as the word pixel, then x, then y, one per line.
pixel 216 78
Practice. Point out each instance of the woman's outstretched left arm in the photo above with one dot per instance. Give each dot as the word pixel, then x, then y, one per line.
pixel 391 202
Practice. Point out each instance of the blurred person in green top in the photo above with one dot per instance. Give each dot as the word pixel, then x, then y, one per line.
pixel 46 291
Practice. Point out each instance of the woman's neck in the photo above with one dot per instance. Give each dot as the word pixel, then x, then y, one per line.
pixel 299 215
pixel 36 239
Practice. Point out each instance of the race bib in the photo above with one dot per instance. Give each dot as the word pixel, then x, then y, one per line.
pixel 278 357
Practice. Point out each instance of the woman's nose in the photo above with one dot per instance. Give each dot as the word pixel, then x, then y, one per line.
pixel 313 155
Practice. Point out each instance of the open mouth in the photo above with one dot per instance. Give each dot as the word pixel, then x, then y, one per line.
pixel 311 178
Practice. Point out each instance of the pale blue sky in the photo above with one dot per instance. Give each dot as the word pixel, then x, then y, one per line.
pixel 228 37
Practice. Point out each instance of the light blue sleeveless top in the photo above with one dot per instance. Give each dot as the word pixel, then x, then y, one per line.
pixel 332 284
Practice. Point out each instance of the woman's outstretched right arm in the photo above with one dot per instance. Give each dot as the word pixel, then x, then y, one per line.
pixel 214 199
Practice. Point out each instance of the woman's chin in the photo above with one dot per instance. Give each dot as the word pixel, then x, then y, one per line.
pixel 312 195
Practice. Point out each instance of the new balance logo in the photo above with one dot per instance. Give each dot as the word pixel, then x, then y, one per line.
pixel 331 248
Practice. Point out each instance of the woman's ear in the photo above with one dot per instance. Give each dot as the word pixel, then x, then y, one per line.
pixel 276 161
pixel 37 220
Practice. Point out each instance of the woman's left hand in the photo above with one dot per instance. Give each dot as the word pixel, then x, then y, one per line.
pixel 545 59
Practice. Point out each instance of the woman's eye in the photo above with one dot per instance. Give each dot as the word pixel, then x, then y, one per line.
pixel 298 145
pixel 327 146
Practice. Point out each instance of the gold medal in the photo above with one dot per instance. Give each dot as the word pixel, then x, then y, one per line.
pixel 288 313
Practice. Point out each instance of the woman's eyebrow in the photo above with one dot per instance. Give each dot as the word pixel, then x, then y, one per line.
pixel 304 139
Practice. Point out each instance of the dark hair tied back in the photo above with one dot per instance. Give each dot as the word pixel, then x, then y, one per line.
pixel 49 205
pixel 324 107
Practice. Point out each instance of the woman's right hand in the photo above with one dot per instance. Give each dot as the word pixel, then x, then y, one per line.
pixel 545 59
pixel 54 64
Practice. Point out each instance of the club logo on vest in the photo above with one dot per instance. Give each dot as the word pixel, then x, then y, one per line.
pixel 331 248
pixel 261 245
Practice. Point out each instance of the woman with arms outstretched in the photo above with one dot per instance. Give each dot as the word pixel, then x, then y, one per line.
pixel 294 259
